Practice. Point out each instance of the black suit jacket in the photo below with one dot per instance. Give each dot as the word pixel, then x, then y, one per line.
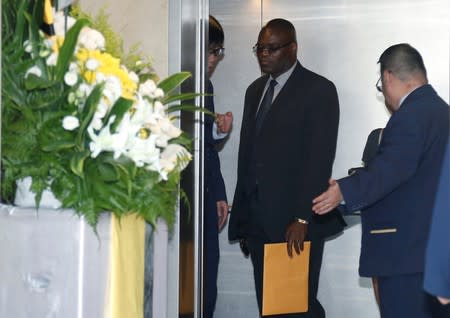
pixel 294 156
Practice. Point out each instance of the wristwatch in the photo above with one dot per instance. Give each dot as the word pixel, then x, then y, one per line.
pixel 301 221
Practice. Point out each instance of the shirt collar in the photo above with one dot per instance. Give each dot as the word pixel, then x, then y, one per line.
pixel 282 78
pixel 406 95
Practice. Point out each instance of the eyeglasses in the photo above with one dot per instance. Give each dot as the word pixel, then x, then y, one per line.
pixel 259 49
pixel 218 51
pixel 379 85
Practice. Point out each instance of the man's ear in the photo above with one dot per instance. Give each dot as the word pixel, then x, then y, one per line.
pixel 294 47
pixel 387 77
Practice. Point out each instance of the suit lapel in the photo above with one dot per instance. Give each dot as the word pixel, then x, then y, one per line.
pixel 253 107
pixel 258 95
pixel 284 95
pixel 288 87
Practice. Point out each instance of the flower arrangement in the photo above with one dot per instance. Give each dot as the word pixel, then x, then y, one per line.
pixel 79 123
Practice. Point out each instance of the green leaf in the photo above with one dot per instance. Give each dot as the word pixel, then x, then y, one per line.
pixel 52 137
pixel 38 12
pixel 108 172
pixel 120 107
pixel 190 108
pixel 77 162
pixel 88 112
pixel 58 145
pixel 173 81
pixel 68 48
pixel 20 22
pixel 35 40
pixel 179 97
pixel 36 82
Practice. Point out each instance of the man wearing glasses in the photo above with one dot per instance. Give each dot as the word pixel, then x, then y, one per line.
pixel 215 198
pixel 286 152
pixel 396 193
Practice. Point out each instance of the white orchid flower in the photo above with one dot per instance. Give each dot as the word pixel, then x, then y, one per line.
pixel 105 141
pixel 147 88
pixel 164 128
pixel 168 128
pixel 27 46
pixel 34 70
pixel 96 123
pixel 143 112
pixel 102 110
pixel 71 78
pixel 174 156
pixel 113 89
pixel 158 93
pixel 159 109
pixel 162 141
pixel 127 132
pixel 144 151
pixel 70 122
pixel 52 59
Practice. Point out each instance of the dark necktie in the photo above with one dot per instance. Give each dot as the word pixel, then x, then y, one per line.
pixel 265 106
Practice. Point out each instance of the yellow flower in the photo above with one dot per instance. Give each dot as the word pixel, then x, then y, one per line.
pixel 108 66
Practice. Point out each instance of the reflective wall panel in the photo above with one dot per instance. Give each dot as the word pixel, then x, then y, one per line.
pixel 342 40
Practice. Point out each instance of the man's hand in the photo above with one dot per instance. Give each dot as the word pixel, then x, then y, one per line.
pixel 443 300
pixel 222 213
pixel 328 200
pixel 295 235
pixel 224 122
pixel 243 244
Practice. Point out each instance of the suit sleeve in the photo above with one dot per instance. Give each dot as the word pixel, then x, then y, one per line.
pixel 437 262
pixel 237 226
pixel 396 162
pixel 219 188
pixel 208 119
pixel 215 182
pixel 321 129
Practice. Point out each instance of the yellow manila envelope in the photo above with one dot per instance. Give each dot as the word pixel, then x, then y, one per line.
pixel 285 280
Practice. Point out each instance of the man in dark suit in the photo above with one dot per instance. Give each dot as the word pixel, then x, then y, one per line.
pixel 215 203
pixel 437 262
pixel 396 191
pixel 286 152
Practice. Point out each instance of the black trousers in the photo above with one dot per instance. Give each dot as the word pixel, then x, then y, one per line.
pixel 211 258
pixel 256 241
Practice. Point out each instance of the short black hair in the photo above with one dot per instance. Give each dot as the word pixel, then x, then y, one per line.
pixel 216 35
pixel 403 61
pixel 284 26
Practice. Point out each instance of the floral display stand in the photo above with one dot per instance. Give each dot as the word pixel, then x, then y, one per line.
pixel 98 131
pixel 54 265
